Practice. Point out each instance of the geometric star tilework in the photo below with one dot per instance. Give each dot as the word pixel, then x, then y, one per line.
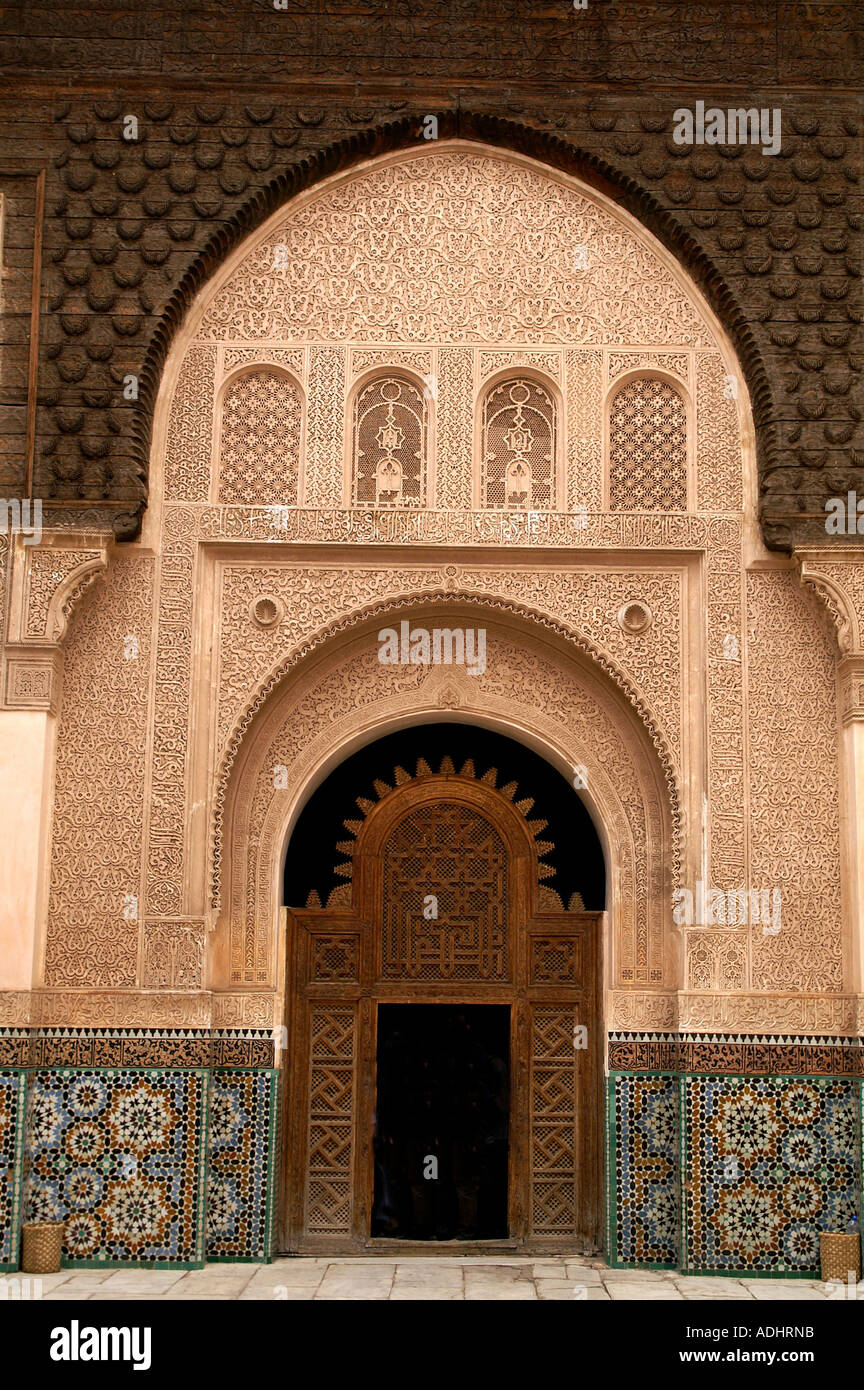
pixel 772 1161
pixel 119 1155
pixel 12 1097
pixel 243 1126
pixel 643 1203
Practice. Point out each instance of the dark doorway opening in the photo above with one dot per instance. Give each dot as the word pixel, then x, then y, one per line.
pixel 575 854
pixel 442 1122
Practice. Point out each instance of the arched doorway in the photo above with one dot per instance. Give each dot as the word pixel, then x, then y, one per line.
pixel 444 1067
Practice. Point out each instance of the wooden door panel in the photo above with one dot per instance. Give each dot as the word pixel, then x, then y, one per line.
pixel 343 964
pixel 330 1135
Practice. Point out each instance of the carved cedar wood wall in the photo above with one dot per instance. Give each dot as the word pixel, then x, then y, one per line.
pixel 132 229
pixel 452 263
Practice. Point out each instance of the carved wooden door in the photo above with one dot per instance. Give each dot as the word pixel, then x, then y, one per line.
pixel 443 909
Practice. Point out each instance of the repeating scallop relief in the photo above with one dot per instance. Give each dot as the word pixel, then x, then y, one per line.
pixel 454 247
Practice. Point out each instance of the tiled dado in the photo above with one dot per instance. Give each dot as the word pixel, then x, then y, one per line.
pixel 768 1162
pixel 642 1196
pixel 241 1164
pixel 146 1166
pixel 119 1155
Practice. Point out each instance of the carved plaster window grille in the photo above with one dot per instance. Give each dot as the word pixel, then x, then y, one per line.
pixel 262 416
pixel 389 444
pixel 648 448
pixel 518 446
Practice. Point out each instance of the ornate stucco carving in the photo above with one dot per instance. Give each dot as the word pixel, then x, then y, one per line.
pixel 99 797
pixel 120 1009
pixel 15 1008
pixel 408 599
pixel 570 708
pixel 236 1010
pixel 750 1013
pixel 641 1009
pixel 794 792
pixel 173 954
pixel 413 251
pixel 588 602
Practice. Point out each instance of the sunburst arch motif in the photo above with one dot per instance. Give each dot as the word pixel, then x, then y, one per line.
pixel 548 899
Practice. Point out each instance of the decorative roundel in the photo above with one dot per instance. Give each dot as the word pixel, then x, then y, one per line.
pixel 266 612
pixel 635 618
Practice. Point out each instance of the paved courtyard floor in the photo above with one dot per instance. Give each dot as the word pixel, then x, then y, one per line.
pixel 432 1278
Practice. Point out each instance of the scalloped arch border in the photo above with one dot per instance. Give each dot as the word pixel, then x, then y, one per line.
pixel 463 125
pixel 426 598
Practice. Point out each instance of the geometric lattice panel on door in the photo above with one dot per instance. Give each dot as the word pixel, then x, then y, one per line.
pixel 518 448
pixel 772 1162
pixel 553 1120
pixel 648 448
pixel 643 1170
pixel 390 444
pixel 331 1117
pixel 445 897
pixel 259 456
pixel 556 960
pixel 335 957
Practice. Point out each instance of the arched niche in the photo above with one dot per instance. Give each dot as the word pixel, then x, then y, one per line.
pixel 538 688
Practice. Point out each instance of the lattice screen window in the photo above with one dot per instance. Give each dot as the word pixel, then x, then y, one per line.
pixel 518 447
pixel 648 448
pixel 259 461
pixel 452 852
pixel 390 434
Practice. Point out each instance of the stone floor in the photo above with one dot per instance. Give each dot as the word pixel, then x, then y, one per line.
pixel 439 1277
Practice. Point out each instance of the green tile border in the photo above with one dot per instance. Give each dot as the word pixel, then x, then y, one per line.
pixel 17 1172
pixel 273 1117
pixel 610 1185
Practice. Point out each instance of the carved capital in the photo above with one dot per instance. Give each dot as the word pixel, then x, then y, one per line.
pixel 48 581
pixel 836 576
pixel 33 676
pixel 850 672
